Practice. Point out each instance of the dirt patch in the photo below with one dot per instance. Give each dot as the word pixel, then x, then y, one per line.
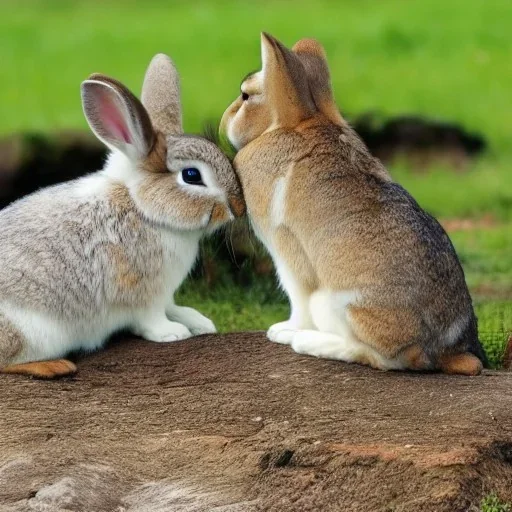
pixel 495 291
pixel 239 423
pixel 423 142
pixel 488 221
pixel 31 161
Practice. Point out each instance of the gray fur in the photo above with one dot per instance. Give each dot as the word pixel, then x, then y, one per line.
pixel 55 254
pixel 161 95
pixel 81 260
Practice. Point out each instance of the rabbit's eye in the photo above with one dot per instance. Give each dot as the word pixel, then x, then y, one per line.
pixel 192 176
pixel 245 96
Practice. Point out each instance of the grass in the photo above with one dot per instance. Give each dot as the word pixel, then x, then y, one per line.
pixel 447 60
pixel 492 503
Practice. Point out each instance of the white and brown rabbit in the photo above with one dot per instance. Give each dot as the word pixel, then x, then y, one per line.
pixel 371 277
pixel 81 260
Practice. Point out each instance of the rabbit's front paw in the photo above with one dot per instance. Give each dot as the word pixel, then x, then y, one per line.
pixel 165 332
pixel 195 321
pixel 203 326
pixel 282 332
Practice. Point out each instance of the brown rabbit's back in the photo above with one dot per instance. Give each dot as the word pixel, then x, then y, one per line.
pixel 360 231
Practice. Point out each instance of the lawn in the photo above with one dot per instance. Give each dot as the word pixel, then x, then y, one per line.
pixel 449 60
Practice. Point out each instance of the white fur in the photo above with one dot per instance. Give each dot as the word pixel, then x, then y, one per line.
pixel 120 168
pixel 155 326
pixel 334 338
pixel 325 311
pixel 329 311
pixel 455 330
pixel 49 338
pixel 300 317
pixel 231 134
pixel 92 186
pixel 278 204
pixel 331 346
pixel 196 322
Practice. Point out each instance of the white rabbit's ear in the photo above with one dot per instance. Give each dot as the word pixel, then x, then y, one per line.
pixel 117 117
pixel 161 95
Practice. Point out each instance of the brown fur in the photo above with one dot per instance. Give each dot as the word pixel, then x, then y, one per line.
pixel 343 224
pixel 386 330
pixel 219 214
pixel 43 369
pixel 156 161
pixel 119 197
pixel 313 58
pixel 461 364
pixel 127 277
pixel 11 342
pixel 414 357
pixel 237 206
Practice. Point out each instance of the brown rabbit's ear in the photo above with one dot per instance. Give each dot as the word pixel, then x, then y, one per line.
pixel 161 95
pixel 313 58
pixel 116 116
pixel 284 82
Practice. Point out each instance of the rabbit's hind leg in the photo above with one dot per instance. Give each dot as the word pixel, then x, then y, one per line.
pixel 12 342
pixel 43 369
pixel 334 338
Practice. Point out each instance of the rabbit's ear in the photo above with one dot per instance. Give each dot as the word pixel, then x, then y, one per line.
pixel 161 95
pixel 285 82
pixel 313 58
pixel 116 116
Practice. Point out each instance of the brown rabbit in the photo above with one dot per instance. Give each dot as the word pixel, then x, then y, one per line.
pixel 371 277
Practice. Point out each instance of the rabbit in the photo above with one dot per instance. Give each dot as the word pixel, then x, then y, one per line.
pixel 106 252
pixel 371 277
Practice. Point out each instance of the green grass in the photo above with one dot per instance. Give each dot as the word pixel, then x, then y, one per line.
pixel 446 59
pixel 492 503
pixel 487 257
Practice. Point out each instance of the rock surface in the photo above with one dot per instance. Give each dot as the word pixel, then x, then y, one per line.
pixel 236 423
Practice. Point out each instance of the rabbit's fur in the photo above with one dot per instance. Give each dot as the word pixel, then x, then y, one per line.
pixel 81 260
pixel 371 277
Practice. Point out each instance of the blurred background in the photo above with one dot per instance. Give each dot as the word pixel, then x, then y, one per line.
pixel 427 85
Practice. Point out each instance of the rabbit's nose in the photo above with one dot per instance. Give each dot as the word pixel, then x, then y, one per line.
pixel 237 206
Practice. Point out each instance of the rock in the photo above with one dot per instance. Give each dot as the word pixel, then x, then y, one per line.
pixel 236 423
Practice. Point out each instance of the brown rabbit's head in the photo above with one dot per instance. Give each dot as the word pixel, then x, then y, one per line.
pixel 292 86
